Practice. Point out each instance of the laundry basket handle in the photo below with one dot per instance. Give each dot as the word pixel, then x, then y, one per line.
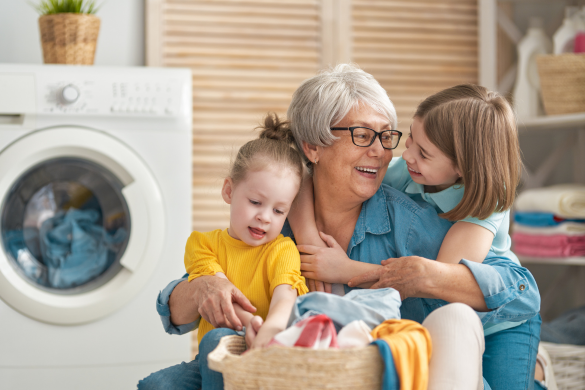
pixel 227 351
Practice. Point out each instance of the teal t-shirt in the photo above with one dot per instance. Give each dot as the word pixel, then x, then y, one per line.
pixel 398 177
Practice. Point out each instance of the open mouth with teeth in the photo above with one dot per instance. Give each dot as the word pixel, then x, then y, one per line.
pixel 256 233
pixel 413 172
pixel 368 172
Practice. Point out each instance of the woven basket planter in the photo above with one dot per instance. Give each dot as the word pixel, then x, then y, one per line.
pixel 296 368
pixel 69 38
pixel 562 83
pixel 568 363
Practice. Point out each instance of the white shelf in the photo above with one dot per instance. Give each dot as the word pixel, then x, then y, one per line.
pixel 552 260
pixel 553 122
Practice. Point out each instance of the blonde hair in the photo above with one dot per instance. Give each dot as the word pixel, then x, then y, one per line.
pixel 476 129
pixel 274 147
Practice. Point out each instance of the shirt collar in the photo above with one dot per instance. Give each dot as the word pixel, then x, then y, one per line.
pixel 445 200
pixel 373 219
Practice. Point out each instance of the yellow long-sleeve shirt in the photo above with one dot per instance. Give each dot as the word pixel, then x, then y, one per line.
pixel 254 270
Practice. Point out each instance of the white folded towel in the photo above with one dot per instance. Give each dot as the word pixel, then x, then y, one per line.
pixel 563 200
pixel 566 228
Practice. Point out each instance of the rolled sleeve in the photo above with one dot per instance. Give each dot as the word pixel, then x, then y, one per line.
pixel 163 310
pixel 509 290
pixel 491 223
pixel 284 266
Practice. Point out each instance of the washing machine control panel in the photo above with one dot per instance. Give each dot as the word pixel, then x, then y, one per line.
pixel 114 95
pixel 69 94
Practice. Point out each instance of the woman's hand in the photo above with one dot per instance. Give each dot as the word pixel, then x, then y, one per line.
pixel 405 274
pixel 211 297
pixel 317 285
pixel 418 277
pixel 252 329
pixel 324 264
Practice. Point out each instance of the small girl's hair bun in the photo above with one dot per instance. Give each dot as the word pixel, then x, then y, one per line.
pixel 276 129
pixel 274 147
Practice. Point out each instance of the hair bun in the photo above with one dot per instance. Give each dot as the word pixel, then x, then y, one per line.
pixel 276 129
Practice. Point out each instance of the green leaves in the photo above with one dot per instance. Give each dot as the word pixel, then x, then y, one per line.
pixel 51 7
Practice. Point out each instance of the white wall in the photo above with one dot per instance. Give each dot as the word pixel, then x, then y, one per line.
pixel 120 43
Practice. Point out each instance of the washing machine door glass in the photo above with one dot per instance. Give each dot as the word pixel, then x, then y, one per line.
pixel 66 225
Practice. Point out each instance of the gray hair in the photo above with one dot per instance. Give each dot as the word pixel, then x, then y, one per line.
pixel 325 99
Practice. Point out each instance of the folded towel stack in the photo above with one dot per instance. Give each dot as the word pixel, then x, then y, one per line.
pixel 550 222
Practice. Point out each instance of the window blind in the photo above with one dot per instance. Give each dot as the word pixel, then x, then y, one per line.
pixel 247 58
pixel 415 48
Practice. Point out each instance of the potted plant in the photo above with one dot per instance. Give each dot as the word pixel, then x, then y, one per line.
pixel 69 31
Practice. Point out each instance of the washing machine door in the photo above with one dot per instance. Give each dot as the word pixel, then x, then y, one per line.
pixel 81 222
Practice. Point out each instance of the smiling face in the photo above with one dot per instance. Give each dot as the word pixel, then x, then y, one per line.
pixel 347 171
pixel 260 203
pixel 427 165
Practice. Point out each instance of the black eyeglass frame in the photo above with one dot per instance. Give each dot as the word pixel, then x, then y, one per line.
pixel 376 134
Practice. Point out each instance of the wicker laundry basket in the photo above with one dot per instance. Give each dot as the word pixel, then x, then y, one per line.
pixel 568 365
pixel 69 38
pixel 562 83
pixel 296 368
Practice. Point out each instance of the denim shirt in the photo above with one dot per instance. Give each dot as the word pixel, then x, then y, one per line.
pixel 509 290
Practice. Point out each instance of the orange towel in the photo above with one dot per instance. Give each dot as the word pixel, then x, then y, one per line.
pixel 411 348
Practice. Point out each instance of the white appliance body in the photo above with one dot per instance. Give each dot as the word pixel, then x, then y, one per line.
pixel 129 131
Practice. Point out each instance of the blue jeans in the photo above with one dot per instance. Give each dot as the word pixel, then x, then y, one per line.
pixel 510 357
pixel 192 375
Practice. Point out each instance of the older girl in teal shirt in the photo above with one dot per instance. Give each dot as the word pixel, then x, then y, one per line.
pixel 464 159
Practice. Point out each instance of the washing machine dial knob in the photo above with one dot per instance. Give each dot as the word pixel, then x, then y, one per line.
pixel 69 94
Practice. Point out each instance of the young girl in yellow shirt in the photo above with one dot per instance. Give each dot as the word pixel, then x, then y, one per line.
pixel 252 254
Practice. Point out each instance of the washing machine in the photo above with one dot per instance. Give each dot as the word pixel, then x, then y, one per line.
pixel 95 210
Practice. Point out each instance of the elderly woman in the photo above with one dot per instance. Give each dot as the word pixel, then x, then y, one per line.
pixel 372 222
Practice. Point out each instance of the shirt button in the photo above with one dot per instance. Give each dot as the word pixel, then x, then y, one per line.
pixel 522 287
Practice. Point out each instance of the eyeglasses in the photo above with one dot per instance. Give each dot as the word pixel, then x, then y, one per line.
pixel 364 136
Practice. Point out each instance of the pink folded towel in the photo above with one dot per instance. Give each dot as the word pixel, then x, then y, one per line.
pixel 535 251
pixel 555 240
pixel 548 246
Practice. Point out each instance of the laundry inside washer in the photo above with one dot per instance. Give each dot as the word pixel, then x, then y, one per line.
pixel 66 225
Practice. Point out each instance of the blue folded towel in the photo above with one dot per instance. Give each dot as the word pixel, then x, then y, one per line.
pixel 541 219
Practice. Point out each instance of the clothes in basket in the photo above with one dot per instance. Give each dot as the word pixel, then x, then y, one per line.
pixel 318 332
pixel 371 306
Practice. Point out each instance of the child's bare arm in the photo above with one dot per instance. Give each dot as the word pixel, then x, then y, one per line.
pixel 465 240
pixel 283 299
pixel 302 216
pixel 302 222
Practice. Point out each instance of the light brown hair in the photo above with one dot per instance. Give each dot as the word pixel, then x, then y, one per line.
pixel 476 129
pixel 274 147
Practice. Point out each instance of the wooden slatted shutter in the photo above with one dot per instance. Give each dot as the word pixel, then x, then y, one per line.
pixel 415 48
pixel 247 58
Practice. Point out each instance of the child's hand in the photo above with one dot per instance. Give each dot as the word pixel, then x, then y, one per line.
pixel 264 336
pixel 325 264
pixel 252 329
